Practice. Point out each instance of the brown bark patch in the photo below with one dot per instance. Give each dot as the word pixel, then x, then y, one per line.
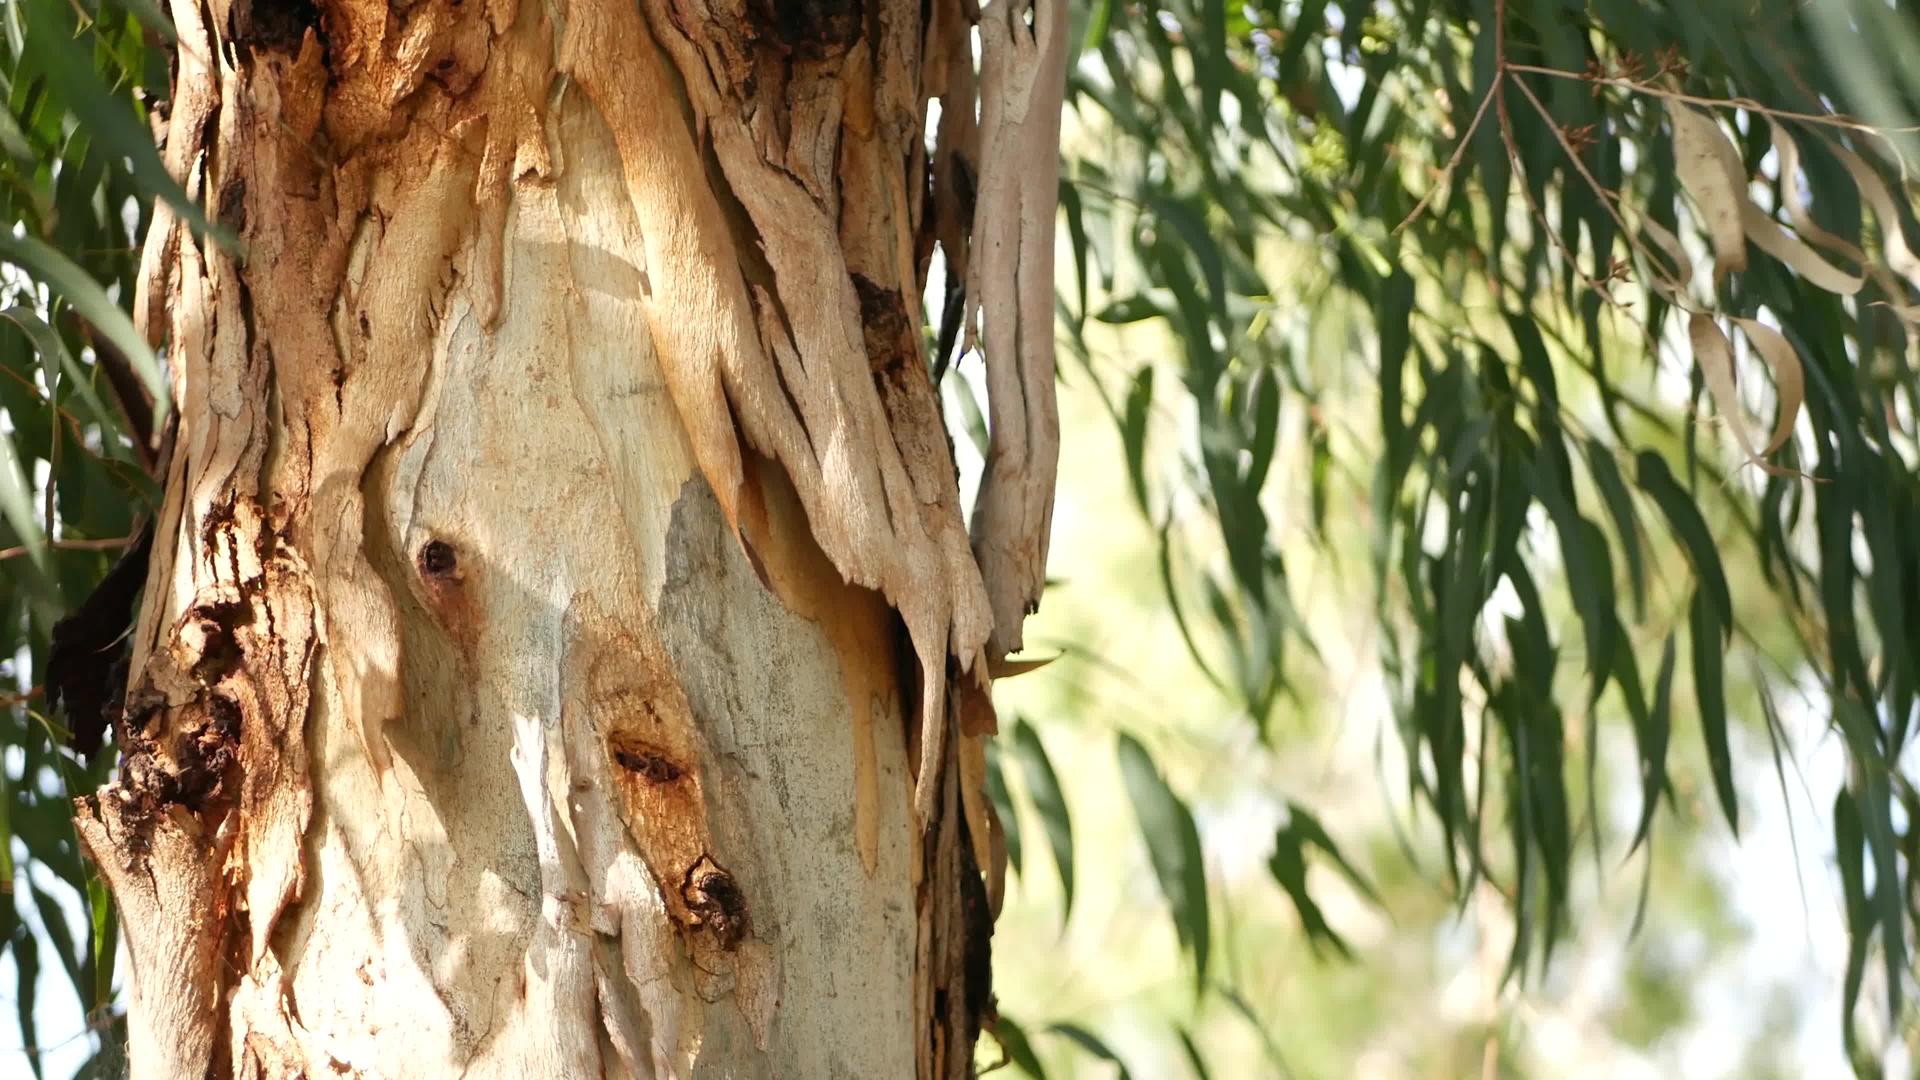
pixel 192 766
pixel 884 324
pixel 642 713
pixel 211 630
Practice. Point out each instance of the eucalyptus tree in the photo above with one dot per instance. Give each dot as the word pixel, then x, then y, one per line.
pixel 561 650
pixel 548 637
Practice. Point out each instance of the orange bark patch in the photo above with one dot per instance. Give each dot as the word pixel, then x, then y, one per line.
pixel 641 713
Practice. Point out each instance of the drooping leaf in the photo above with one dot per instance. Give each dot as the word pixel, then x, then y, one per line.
pixel 1710 168
pixel 1655 730
pixel 1301 835
pixel 1013 1039
pixel 1687 524
pixel 1043 786
pixel 6 836
pixel 1133 433
pixel 107 118
pixel 1626 524
pixel 68 280
pixel 1130 309
pixel 1709 638
pixel 1173 847
pixel 1195 1059
pixel 16 504
pixel 1002 801
pixel 1088 1041
pixel 105 932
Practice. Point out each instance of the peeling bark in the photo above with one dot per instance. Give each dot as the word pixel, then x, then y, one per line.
pixel 563 652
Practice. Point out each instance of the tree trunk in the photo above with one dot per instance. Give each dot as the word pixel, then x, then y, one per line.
pixel 563 653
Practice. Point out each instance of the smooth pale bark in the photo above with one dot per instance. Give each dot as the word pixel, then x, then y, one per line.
pixel 563 653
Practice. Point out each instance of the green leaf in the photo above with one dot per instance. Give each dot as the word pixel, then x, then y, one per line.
pixel 1653 732
pixel 1266 429
pixel 16 503
pixel 57 52
pixel 1195 1060
pixel 53 921
pixel 1871 793
pixel 1133 432
pixel 1171 591
pixel 1589 573
pixel 1077 236
pixel 1708 673
pixel 1619 504
pixel 1013 1039
pixel 151 17
pixel 1849 854
pixel 1173 846
pixel 1044 787
pixel 1685 520
pixel 1130 309
pixel 1002 800
pixel 106 925
pixel 26 963
pixel 1393 315
pixel 1101 14
pixel 1199 245
pixel 13 142
pixel 6 834
pixel 47 344
pixel 971 415
pixel 1210 62
pixel 68 280
pixel 1288 864
pixel 1091 1043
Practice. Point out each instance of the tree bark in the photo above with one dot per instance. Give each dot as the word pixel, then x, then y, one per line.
pixel 563 652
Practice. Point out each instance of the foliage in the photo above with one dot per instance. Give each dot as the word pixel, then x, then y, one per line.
pixel 78 174
pixel 1515 194
pixel 1548 234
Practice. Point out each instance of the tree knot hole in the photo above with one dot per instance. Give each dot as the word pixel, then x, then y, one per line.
pixel 437 560
pixel 645 762
pixel 716 902
pixel 211 633
pixel 276 25
pixel 810 29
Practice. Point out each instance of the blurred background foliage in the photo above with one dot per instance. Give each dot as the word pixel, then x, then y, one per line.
pixel 1487 609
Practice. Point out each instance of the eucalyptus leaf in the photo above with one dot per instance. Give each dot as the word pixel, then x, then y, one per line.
pixel 1173 847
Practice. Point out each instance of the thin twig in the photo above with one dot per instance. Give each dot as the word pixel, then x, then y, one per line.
pixel 53 463
pixel 1540 215
pixel 10 700
pixel 1453 163
pixel 1838 120
pixel 1501 70
pixel 1606 197
pixel 113 543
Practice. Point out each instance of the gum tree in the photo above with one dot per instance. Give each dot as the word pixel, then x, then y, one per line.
pixel 561 650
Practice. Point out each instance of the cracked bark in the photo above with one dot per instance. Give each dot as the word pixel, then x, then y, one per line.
pixel 563 653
